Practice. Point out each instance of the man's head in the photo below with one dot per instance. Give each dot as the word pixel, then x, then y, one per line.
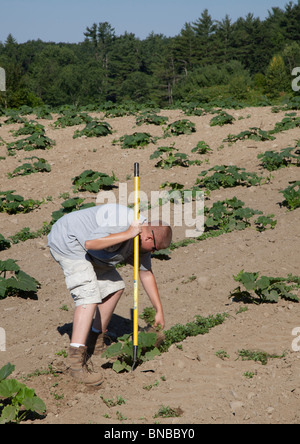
pixel 155 236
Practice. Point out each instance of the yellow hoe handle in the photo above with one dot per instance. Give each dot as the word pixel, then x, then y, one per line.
pixel 136 268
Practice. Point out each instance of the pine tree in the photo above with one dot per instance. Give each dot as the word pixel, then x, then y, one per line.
pixel 276 80
pixel 204 29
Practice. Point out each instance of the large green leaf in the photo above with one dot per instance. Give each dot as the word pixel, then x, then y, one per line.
pixel 35 404
pixel 9 265
pixel 9 414
pixel 6 370
pixel 9 387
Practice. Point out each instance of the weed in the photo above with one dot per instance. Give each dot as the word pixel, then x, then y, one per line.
pixel 123 349
pixel 168 412
pixel 222 354
pixel 111 403
pixel 249 375
pixel 257 356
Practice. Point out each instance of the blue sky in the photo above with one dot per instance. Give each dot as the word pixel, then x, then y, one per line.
pixel 66 20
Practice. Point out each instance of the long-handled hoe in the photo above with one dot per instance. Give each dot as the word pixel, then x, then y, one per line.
pixel 136 269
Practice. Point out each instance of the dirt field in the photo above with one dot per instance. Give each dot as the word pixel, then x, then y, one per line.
pixel 193 378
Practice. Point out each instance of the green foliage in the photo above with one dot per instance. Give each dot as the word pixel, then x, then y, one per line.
pixel 262 222
pixel 136 140
pixel 151 119
pixel 252 134
pixel 201 148
pixel 30 127
pixel 261 289
pixel 226 177
pixel 4 243
pixel 271 160
pixel 37 141
pixel 39 166
pixel 168 412
pixel 208 60
pixel 290 121
pixel 222 119
pixel 94 128
pixel 228 215
pixel 292 195
pixel 179 127
pixel 13 117
pixel 93 181
pixel 24 234
pixel 276 79
pixel 17 401
pixel 13 203
pixel 68 206
pixel 71 118
pixel 168 159
pixel 148 315
pixel 256 356
pixel 200 326
pixel 18 284
pixel 123 349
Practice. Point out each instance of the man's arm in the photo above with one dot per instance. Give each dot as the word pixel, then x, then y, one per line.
pixel 149 284
pixel 114 239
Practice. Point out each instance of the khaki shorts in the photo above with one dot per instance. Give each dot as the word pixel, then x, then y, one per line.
pixel 87 282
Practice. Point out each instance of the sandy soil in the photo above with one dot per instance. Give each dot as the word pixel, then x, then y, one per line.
pixel 193 378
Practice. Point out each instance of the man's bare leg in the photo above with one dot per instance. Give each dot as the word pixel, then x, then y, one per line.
pixel 82 321
pixel 105 311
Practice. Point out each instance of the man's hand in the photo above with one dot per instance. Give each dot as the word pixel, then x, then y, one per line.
pixel 159 320
pixel 135 229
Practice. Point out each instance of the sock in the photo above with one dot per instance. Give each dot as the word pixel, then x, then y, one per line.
pixel 76 345
pixel 95 330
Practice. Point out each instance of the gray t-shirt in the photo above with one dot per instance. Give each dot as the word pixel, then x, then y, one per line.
pixel 69 233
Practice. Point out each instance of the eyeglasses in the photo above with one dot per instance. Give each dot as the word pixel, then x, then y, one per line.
pixel 154 249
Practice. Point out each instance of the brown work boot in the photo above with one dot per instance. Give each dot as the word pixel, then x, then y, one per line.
pixel 79 369
pixel 97 343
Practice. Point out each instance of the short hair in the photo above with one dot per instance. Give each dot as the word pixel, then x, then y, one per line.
pixel 162 232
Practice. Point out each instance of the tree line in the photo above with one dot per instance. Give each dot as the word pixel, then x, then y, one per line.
pixel 244 60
